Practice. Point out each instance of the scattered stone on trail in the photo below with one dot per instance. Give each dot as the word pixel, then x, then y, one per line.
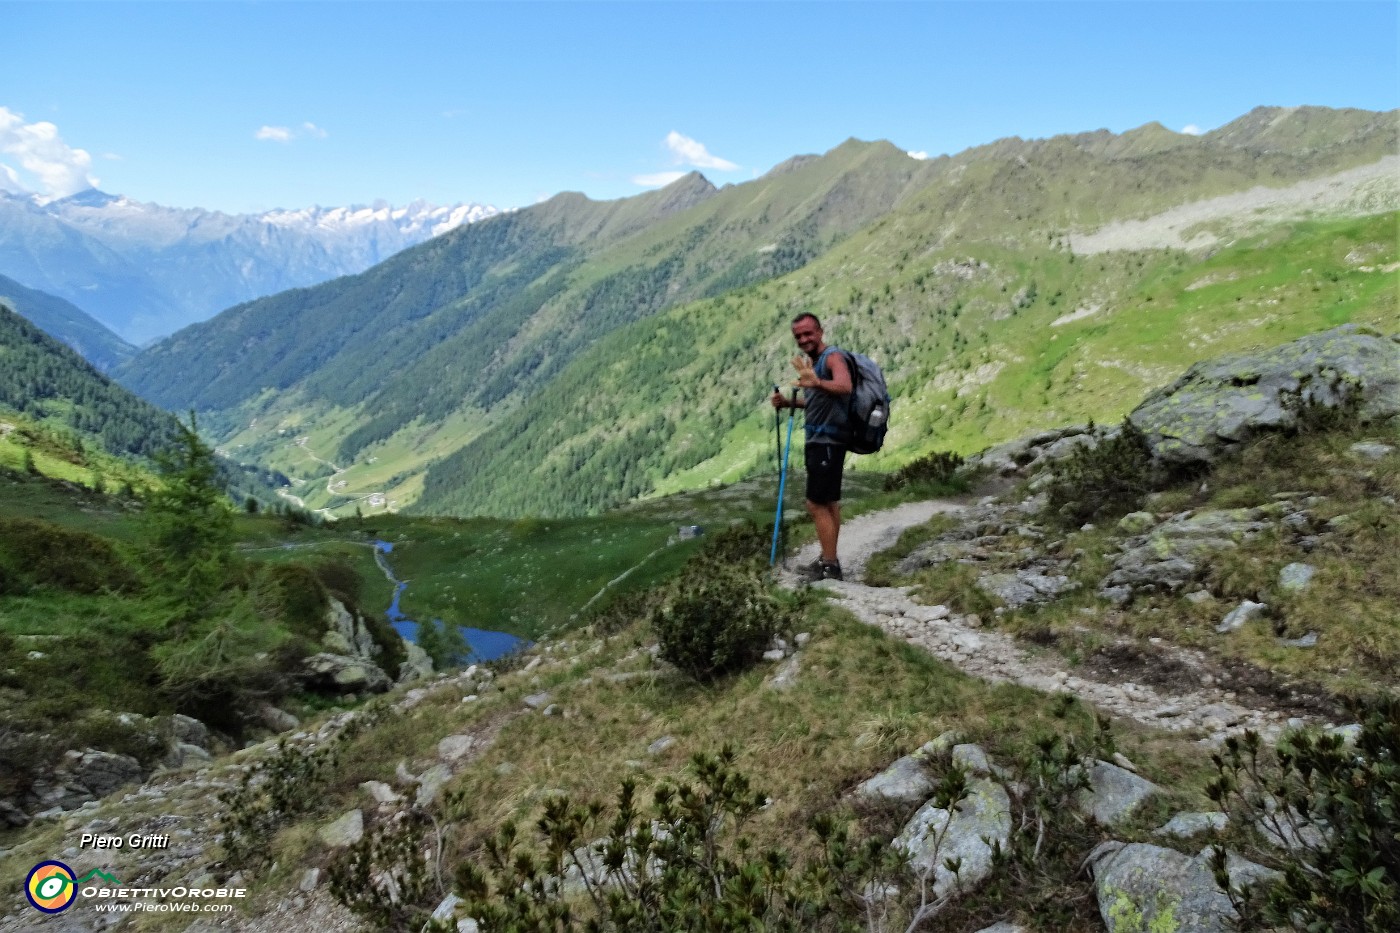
pixel 1114 793
pixel 454 747
pixel 1006 926
pixel 1024 588
pixel 968 832
pixel 661 745
pixel 345 831
pixel 1186 825
pixel 773 655
pixel 1238 616
pixel 431 783
pixel 1144 887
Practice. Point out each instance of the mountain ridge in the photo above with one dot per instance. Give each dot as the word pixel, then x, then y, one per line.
pixel 956 270
pixel 144 270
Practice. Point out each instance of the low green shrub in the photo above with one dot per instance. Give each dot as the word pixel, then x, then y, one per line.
pixel 1338 807
pixel 936 469
pixel 719 618
pixel 35 553
pixel 1109 479
pixel 686 866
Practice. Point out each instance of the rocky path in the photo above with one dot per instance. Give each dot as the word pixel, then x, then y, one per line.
pixel 1211 710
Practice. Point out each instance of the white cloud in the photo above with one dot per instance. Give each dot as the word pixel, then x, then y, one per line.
pixel 1191 129
pixel 657 179
pixel 9 179
pixel 920 155
pixel 686 151
pixel 58 168
pixel 285 134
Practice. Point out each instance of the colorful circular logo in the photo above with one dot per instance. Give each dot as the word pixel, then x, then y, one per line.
pixel 50 887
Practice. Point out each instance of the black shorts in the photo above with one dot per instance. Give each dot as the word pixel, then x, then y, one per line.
pixel 824 463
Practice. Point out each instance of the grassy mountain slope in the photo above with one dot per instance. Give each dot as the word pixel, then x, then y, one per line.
pixel 529 346
pixel 61 319
pixel 986 324
pixel 473 315
pixel 61 418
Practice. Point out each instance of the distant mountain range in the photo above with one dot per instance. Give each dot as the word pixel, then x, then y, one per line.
pixel 145 271
pixel 577 354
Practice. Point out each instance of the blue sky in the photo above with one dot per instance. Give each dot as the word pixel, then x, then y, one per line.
pixel 251 106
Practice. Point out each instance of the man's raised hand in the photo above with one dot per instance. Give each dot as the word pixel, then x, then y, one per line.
pixel 806 376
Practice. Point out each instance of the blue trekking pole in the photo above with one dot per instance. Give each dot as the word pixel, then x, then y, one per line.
pixel 782 481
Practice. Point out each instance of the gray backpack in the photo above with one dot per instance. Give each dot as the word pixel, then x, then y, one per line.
pixel 868 417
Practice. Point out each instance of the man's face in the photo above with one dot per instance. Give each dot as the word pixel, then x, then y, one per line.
pixel 808 335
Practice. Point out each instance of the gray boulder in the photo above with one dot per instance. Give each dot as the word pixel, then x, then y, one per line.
pixel 1238 617
pixel 1024 587
pixel 1295 577
pixel 1144 887
pixel 1114 793
pixel 1171 554
pixel 1372 450
pixel 417 666
pixel 345 831
pixel 1221 403
pixel 345 628
pixel 966 833
pixel 341 673
pixel 1186 825
pixel 906 781
pixel 104 772
pixel 190 730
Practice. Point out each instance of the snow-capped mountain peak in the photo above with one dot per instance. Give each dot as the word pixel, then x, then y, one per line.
pixel 145 270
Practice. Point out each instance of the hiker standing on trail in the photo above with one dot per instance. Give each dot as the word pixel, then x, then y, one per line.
pixel 826 383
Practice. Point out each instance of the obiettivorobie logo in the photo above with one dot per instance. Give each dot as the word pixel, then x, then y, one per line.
pixel 52 887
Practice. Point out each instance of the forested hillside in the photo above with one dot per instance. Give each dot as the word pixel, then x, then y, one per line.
pixel 69 323
pixel 44 379
pixel 623 348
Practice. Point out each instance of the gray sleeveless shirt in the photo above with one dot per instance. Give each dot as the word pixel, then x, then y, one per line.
pixel 825 421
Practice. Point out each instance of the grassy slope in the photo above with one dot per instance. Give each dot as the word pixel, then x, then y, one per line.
pixel 971 356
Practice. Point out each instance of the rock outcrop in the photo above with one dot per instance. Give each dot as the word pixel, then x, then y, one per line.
pixel 1219 404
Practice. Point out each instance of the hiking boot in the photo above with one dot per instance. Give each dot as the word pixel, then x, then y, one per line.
pixel 819 570
pixel 831 571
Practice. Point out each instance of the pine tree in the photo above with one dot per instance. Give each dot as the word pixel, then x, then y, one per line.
pixel 190 524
